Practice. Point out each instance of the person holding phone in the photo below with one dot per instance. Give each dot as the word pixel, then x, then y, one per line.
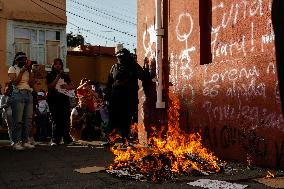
pixel 22 101
pixel 59 102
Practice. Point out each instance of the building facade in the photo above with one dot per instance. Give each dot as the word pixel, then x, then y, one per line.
pixel 37 28
pixel 219 58
pixel 92 62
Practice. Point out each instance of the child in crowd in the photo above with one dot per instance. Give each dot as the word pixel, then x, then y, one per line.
pixel 85 122
pixel 79 119
pixel 41 117
pixel 91 97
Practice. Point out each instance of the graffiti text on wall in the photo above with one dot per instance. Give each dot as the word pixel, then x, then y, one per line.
pixel 253 116
pixel 239 82
pixel 240 14
pixel 253 144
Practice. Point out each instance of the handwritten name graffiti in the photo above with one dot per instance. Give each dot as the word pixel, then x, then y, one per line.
pixel 237 12
pixel 241 14
pixel 180 63
pixel 253 116
pixel 231 75
pixel 248 139
pixel 248 90
pixel 239 82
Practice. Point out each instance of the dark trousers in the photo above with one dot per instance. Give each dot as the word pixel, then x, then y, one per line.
pixel 42 123
pixel 88 132
pixel 120 116
pixel 60 123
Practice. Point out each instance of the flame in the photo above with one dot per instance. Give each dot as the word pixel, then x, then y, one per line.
pixel 269 175
pixel 113 136
pixel 175 152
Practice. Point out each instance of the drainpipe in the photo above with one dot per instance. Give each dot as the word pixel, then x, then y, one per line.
pixel 159 69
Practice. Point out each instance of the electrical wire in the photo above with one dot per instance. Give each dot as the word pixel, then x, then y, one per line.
pixel 114 10
pixel 101 36
pixel 48 11
pixel 114 29
pixel 95 13
pixel 83 29
pixel 104 13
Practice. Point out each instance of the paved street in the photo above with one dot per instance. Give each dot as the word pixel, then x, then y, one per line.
pixel 53 168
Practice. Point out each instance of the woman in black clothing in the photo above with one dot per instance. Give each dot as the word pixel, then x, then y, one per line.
pixel 59 85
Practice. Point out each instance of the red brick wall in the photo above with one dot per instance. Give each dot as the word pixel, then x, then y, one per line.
pixel 234 100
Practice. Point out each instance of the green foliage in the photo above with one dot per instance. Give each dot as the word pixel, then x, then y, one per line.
pixel 74 41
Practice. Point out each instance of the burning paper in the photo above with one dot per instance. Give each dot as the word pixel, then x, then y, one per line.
pixel 165 157
pixel 216 184
pixel 121 173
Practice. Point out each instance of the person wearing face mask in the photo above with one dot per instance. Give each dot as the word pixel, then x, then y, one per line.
pixel 22 101
pixel 122 95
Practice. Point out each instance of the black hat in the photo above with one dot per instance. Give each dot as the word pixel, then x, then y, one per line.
pixel 122 52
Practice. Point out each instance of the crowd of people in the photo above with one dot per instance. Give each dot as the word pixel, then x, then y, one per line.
pixel 48 116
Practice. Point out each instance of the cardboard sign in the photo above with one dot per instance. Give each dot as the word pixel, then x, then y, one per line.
pixel 39 71
pixel 277 182
pixel 93 169
pixel 40 77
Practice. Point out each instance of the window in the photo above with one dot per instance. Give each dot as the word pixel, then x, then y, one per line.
pixel 51 35
pixel 41 37
pixel 40 44
pixel 57 35
pixel 33 36
pixel 22 33
pixel 53 51
pixel 22 45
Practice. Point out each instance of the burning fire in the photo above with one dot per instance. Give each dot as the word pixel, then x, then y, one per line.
pixel 269 175
pixel 165 156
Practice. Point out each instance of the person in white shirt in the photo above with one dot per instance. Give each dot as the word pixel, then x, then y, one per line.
pixel 22 101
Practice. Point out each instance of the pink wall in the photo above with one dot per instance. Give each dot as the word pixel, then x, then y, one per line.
pixel 234 100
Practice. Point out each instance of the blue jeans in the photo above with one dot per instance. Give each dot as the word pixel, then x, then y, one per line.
pixel 22 111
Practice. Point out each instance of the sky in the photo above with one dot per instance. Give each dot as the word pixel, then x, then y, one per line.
pixel 103 22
